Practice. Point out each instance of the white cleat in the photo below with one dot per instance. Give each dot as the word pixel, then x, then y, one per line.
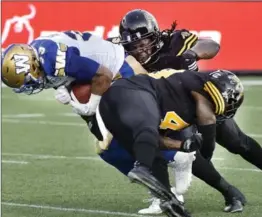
pixel 180 197
pixel 153 209
pixel 182 167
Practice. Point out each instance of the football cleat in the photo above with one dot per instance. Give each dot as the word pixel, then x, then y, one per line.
pixel 235 206
pixel 141 175
pixel 169 203
pixel 154 208
pixel 235 201
pixel 171 209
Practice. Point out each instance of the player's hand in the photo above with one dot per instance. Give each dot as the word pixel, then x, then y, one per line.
pixel 189 60
pixel 62 95
pixel 192 144
pixel 82 109
pixel 87 109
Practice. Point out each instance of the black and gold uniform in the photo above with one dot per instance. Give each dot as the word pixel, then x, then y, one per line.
pixel 134 109
pixel 175 43
pixel 173 49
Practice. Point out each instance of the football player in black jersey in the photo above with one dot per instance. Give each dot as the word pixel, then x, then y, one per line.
pixel 178 49
pixel 133 110
pixel 157 50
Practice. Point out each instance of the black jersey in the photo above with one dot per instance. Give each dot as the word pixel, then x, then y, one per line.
pixel 169 56
pixel 172 89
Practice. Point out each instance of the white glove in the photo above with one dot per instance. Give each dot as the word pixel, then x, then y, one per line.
pixel 62 95
pixel 87 109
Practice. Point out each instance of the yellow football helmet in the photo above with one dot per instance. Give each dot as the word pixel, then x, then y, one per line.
pixel 21 69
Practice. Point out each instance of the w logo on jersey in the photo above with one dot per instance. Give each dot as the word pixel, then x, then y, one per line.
pixel 21 63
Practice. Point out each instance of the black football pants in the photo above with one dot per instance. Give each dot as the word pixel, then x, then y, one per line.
pixel 133 117
pixel 230 136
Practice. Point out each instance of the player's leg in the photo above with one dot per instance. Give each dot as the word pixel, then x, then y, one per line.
pixel 126 113
pixel 118 157
pixel 132 116
pixel 205 171
pixel 230 136
pixel 180 164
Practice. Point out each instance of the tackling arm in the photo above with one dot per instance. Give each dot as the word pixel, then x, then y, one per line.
pixel 206 121
pixel 205 49
pixel 101 81
pixel 190 144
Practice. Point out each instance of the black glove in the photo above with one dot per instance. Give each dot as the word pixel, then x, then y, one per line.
pixel 193 143
pixel 189 54
pixel 189 60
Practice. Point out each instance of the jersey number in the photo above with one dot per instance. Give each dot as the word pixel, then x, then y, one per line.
pixel 173 122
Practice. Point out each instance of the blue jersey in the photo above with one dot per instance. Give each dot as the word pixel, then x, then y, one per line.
pixel 77 55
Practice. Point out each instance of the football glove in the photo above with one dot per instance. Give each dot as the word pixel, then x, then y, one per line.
pixel 193 143
pixel 62 95
pixel 87 109
pixel 189 60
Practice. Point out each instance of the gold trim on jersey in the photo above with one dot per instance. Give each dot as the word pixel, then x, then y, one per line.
pixel 101 146
pixel 165 73
pixel 187 44
pixel 135 65
pixel 117 76
pixel 216 96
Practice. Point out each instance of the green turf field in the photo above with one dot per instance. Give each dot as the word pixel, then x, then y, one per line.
pixel 50 169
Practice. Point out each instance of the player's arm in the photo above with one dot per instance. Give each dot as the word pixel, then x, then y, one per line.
pixel 203 49
pixel 188 145
pixel 67 62
pixel 190 48
pixel 206 121
pixel 84 69
pixel 100 82
pixel 189 45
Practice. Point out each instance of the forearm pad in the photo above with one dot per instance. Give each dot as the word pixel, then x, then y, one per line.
pixel 209 140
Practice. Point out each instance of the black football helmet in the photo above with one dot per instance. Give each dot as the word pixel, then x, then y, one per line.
pixel 231 89
pixel 136 26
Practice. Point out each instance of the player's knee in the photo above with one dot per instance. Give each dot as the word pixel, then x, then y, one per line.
pixel 238 145
pixel 146 135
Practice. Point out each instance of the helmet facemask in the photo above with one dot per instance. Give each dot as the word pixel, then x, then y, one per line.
pixel 140 35
pixel 144 48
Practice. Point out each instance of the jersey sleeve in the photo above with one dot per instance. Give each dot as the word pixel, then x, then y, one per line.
pixel 216 97
pixel 59 60
pixel 199 82
pixel 181 41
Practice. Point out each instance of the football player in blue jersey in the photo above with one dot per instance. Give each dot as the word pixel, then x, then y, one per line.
pixel 58 59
